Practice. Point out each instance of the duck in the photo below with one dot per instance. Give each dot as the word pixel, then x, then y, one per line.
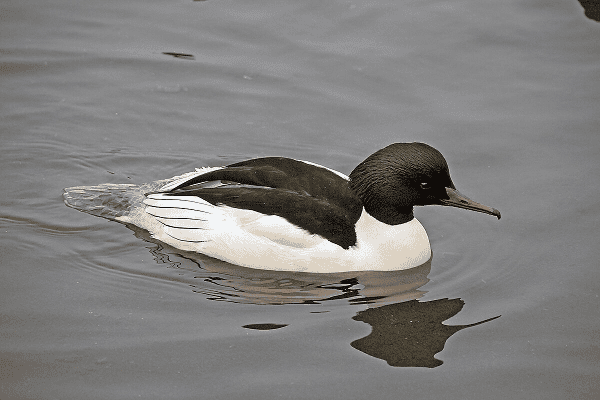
pixel 283 214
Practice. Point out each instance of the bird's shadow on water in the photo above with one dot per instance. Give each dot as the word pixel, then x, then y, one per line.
pixel 405 332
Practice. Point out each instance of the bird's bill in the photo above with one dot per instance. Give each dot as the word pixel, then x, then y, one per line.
pixel 457 199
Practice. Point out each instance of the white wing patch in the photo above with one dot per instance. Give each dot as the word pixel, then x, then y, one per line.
pixel 182 218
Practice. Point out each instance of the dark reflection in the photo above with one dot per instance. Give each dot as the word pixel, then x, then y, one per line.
pixel 264 327
pixel 409 334
pixel 406 332
pixel 591 9
pixel 180 55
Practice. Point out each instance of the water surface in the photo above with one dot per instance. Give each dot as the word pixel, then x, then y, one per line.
pixel 133 92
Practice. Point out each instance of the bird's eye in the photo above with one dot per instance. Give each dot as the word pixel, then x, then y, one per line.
pixel 425 185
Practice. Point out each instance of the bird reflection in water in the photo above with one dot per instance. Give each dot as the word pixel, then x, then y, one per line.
pixel 405 332
pixel 409 334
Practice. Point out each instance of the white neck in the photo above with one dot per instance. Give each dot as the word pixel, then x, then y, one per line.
pixel 391 247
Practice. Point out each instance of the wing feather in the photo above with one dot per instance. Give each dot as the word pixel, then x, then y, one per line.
pixel 185 223
pixel 190 203
pixel 312 198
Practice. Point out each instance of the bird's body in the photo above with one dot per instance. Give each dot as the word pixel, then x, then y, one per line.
pixel 277 213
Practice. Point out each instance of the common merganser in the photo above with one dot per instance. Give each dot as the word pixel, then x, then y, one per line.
pixel 278 213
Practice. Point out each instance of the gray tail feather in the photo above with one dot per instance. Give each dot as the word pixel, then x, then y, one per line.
pixel 112 200
pixel 107 200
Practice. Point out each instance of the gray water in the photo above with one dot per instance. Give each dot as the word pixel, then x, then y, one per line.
pixel 507 91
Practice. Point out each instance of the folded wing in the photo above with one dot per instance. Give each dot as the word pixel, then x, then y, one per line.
pixel 312 198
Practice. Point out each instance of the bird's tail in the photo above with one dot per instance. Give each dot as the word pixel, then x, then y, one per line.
pixel 113 200
pixel 107 200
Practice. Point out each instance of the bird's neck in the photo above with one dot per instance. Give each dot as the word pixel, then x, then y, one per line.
pixel 390 215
